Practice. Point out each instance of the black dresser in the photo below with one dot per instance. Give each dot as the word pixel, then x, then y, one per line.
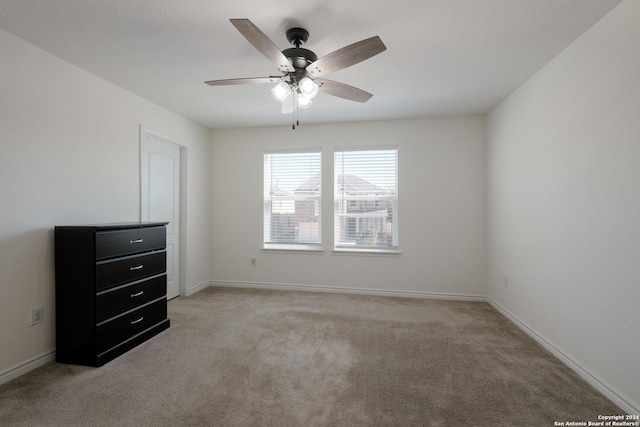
pixel 111 287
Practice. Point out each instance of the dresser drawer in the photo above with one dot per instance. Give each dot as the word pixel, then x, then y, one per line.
pixel 117 243
pixel 122 298
pixel 112 332
pixel 128 269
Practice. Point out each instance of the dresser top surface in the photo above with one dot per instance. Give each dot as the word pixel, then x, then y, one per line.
pixel 114 226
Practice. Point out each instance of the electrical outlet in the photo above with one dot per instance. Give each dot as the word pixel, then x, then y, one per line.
pixel 253 262
pixel 37 315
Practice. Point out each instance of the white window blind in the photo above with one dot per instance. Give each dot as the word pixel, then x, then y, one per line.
pixel 292 202
pixel 366 198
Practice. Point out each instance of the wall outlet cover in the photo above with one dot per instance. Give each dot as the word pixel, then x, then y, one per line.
pixel 37 315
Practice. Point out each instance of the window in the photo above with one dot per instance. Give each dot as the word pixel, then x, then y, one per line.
pixel 292 203
pixel 366 199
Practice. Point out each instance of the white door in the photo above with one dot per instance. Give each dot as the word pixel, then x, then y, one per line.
pixel 161 197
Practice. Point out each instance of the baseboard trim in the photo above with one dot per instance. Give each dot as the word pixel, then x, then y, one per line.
pixel 198 288
pixel 600 385
pixel 345 290
pixel 27 366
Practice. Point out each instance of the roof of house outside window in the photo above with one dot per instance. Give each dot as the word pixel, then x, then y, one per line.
pixel 352 184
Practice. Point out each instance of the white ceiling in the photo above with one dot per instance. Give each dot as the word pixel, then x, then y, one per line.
pixel 443 57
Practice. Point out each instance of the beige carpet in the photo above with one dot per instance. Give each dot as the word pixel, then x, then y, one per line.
pixel 236 357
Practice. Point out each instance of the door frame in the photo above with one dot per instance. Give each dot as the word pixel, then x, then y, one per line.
pixel 182 244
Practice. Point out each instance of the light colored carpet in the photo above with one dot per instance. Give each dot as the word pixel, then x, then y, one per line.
pixel 244 357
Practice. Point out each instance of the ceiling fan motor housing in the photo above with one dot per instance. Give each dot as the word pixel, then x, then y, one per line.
pixel 300 57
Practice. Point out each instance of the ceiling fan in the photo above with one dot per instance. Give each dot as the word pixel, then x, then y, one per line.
pixel 303 72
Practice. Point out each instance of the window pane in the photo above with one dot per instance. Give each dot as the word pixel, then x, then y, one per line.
pixel 366 199
pixel 292 197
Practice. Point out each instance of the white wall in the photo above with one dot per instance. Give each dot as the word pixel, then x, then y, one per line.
pixel 564 203
pixel 441 209
pixel 70 154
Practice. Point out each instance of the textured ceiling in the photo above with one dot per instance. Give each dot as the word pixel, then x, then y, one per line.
pixel 443 57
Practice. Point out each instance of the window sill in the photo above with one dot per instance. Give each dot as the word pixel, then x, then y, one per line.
pixel 367 252
pixel 295 249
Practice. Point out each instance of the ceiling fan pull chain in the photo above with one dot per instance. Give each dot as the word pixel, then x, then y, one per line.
pixel 297 114
pixel 295 110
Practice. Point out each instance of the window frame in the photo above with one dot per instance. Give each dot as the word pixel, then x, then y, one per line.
pixel 267 203
pixel 342 248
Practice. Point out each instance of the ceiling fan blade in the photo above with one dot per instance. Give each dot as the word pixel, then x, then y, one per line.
pixel 287 104
pixel 261 42
pixel 346 57
pixel 342 90
pixel 250 80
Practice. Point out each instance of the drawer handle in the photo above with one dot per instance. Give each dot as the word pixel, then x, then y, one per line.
pixel 137 295
pixel 133 322
pixel 136 241
pixel 137 267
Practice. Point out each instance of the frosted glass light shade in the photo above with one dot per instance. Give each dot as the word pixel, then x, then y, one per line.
pixel 281 91
pixel 304 102
pixel 308 87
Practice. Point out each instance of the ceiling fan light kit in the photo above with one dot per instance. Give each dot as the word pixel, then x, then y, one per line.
pixel 302 69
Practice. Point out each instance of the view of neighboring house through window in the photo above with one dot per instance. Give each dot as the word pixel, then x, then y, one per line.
pixel 366 198
pixel 292 199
